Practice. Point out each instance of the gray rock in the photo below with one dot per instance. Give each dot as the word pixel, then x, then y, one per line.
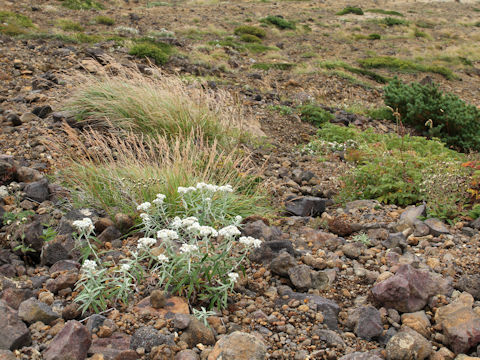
pixel 64 265
pixel 181 321
pixel 187 355
pixel 368 323
pixel 158 299
pixel 282 263
pixel 331 338
pixel 94 322
pixel 306 206
pixel 421 229
pixel 63 281
pixel 42 111
pixel 13 297
pixel 239 346
pixel 353 250
pixel 109 234
pixel 412 213
pixel 407 344
pixel 475 223
pixel 15 333
pixel 32 235
pixel 395 240
pixel 147 337
pixel 361 356
pixel 114 347
pixel 197 333
pixel 361 204
pixel 259 230
pixel 470 284
pixel 37 191
pixel 269 249
pixel 52 253
pixel 436 226
pixel 32 310
pixel 300 276
pixel 320 280
pixel 71 343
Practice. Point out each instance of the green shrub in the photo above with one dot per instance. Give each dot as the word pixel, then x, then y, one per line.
pixel 395 169
pixel 389 21
pixel 382 113
pixel 82 4
pixel 104 20
pixel 340 64
pixel 158 52
pixel 374 37
pixel 420 34
pixel 277 66
pixel 314 114
pixel 384 12
pixel 250 30
pixel 279 22
pixel 394 63
pixel 450 118
pixel 351 10
pixel 250 38
pixel 69 25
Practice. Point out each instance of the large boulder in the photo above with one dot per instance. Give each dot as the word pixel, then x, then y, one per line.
pixel 238 346
pixel 71 343
pixel 460 324
pixel 407 344
pixel 409 289
pixel 15 333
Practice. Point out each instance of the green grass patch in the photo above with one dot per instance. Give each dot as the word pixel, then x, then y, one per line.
pixel 314 114
pixel 367 37
pixel 13 24
pixel 279 22
pixel 391 21
pixel 420 34
pixel 393 63
pixel 342 65
pixel 69 25
pixel 82 4
pixel 275 66
pixel 351 10
pixel 425 24
pixel 384 12
pixel 104 20
pixel 250 30
pixel 281 109
pixel 153 4
pixel 158 52
pixel 250 38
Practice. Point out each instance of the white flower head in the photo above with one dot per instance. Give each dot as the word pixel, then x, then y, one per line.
pixel 146 243
pixel 184 190
pixel 205 231
pixel 238 219
pixel 186 248
pixel 84 225
pixel 146 219
pixel 89 265
pixel 189 221
pixel 166 234
pixel 144 206
pixel 159 199
pixel 176 223
pixel 225 188
pixel 229 231
pixel 125 267
pixel 233 277
pixel 162 258
pixel 250 241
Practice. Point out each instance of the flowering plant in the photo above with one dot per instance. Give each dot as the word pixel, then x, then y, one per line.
pixel 188 258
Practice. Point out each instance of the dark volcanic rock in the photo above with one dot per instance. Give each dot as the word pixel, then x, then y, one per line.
pixel 71 343
pixel 147 337
pixel 37 191
pixel 306 206
pixel 15 333
pixel 470 284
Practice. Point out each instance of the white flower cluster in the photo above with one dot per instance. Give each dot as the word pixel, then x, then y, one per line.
pixel 204 186
pixel 146 219
pixel 166 234
pixel 162 258
pixel 89 265
pixel 250 241
pixel 159 199
pixel 186 248
pixel 229 231
pixel 202 231
pixel 145 243
pixel 84 225
pixel 144 206
pixel 233 277
pixel 125 267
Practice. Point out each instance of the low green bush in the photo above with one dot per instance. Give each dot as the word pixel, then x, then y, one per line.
pixel 104 20
pixel 279 22
pixel 13 23
pixel 250 38
pixel 351 10
pixel 250 30
pixel 158 52
pixel 384 12
pixel 436 114
pixel 314 114
pixel 82 4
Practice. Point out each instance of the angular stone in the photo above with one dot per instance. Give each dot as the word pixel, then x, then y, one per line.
pixel 259 230
pixel 282 263
pixel 330 337
pixel 187 355
pixel 71 343
pixel 15 333
pixel 460 324
pixel 124 222
pixel 395 240
pixel 353 250
pixel 63 281
pixel 409 289
pixel 181 321
pixel 197 333
pixel 32 235
pixel 417 321
pixel 412 213
pixel 110 347
pixel 32 310
pixel 158 299
pixel 147 337
pixel 407 344
pixel 306 206
pixel 109 234
pixel 53 252
pixel 470 284
pixel 42 111
pixel 13 297
pixel 238 346
pixel 37 191
pixel 64 265
pixel 300 276
pixel 368 324
pixel 436 226
pixel 268 250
